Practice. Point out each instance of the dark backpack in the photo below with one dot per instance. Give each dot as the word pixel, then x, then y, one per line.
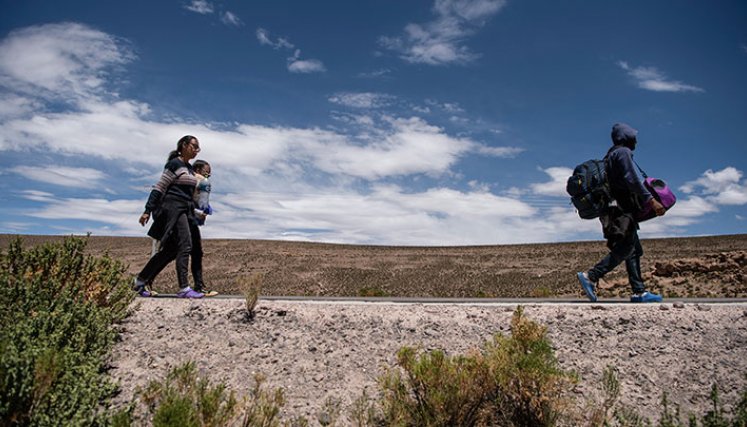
pixel 588 188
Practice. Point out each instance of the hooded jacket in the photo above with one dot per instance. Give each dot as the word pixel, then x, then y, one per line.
pixel 626 185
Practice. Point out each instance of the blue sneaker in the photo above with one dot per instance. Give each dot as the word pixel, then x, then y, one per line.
pixel 588 286
pixel 646 297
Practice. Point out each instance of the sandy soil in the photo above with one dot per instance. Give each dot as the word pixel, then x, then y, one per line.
pixel 315 351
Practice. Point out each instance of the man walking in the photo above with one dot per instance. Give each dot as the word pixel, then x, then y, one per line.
pixel 618 221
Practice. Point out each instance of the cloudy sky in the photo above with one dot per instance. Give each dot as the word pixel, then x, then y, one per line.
pixel 446 122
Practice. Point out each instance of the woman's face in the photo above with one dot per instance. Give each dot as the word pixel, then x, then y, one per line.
pixel 190 149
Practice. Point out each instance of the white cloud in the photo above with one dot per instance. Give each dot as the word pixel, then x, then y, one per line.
pixel 265 39
pixel 304 66
pixel 449 107
pixel 714 182
pixel 37 196
pixel 376 74
pixel 66 60
pixel 295 63
pixel 202 7
pixel 120 216
pixel 230 18
pixel 724 187
pixel 273 182
pixel 59 175
pixel 361 99
pixel 12 106
pixel 441 41
pixel 652 79
pixel 556 186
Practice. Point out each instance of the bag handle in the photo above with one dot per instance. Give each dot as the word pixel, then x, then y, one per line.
pixel 639 168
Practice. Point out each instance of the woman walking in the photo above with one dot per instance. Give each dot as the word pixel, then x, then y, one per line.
pixel 171 204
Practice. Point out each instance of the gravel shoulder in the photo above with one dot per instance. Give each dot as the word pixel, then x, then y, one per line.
pixel 316 351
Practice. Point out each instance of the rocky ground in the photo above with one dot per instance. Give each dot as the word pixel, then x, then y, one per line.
pixel 317 351
pixel 712 266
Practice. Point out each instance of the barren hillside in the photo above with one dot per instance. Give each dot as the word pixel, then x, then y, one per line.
pixel 700 266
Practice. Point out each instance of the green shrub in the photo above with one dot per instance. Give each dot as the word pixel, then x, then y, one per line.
pixel 57 308
pixel 514 380
pixel 185 399
pixel 437 390
pixel 262 407
pixel 532 386
pixel 623 416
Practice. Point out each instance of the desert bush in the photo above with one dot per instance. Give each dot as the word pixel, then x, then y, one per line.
pixel 57 308
pixel 251 288
pixel 532 385
pixel 437 390
pixel 513 380
pixel 623 416
pixel 263 407
pixel 185 398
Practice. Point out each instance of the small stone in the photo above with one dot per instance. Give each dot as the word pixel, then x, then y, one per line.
pixel 312 349
pixel 664 307
pixel 598 307
pixel 678 304
pixel 703 307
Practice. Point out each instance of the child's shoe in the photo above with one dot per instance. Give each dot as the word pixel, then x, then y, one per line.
pixel 189 293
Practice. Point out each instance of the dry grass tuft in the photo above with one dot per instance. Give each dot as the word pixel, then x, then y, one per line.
pixel 251 288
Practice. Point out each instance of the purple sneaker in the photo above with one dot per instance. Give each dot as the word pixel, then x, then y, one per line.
pixel 142 290
pixel 189 293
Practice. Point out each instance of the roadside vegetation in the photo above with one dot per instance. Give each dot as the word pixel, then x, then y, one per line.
pixel 59 310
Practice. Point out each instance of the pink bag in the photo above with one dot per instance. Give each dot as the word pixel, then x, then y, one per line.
pixel 661 192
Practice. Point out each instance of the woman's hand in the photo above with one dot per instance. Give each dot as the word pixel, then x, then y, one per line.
pixel 144 218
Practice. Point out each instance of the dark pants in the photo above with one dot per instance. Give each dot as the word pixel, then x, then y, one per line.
pixel 196 258
pixel 628 249
pixel 178 246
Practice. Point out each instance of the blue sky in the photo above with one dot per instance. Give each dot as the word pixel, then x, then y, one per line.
pixel 447 122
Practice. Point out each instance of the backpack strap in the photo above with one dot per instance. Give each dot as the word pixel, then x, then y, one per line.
pixel 639 168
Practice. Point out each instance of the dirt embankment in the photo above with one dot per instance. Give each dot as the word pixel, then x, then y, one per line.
pixel 318 351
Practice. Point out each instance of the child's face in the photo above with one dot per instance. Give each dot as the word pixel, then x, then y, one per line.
pixel 204 171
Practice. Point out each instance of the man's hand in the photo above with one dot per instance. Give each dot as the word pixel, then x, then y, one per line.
pixel 144 218
pixel 658 207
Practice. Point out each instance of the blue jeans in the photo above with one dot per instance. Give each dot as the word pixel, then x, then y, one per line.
pixel 629 250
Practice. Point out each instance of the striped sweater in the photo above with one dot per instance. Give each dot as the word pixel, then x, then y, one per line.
pixel 177 181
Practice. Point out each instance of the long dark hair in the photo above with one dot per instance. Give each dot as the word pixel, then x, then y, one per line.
pixel 186 139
